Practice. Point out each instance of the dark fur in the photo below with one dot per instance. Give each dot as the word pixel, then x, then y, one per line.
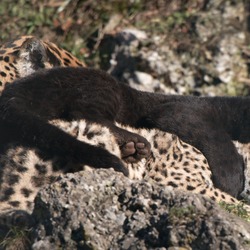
pixel 79 93
pixel 210 124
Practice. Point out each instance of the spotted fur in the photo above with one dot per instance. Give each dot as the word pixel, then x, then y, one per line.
pixel 24 171
pixel 244 150
pixel 27 54
pixel 172 163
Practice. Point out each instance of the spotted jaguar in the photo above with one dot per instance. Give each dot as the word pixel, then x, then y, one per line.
pixel 24 171
pixel 172 163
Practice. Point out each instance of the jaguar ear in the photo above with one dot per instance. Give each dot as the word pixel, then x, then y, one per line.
pixel 31 57
pixel 33 52
pixel 36 53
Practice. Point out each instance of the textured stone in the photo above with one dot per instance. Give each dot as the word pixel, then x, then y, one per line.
pixel 189 61
pixel 105 210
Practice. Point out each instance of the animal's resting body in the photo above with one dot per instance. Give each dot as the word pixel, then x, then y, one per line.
pixel 69 94
pixel 172 162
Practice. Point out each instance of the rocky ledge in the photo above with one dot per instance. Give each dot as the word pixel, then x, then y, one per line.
pixel 104 210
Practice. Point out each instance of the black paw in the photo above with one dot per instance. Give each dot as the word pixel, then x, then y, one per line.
pixel 135 149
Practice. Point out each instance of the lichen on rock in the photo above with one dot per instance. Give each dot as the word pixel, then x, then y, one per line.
pixel 104 210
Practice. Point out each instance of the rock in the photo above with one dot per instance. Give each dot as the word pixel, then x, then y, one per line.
pixel 104 210
pixel 202 55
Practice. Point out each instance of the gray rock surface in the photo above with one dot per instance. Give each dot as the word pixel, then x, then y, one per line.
pixel 202 54
pixel 105 210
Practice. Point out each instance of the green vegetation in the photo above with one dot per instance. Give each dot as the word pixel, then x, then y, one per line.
pixel 238 210
pixel 80 24
pixel 16 238
pixel 22 17
pixel 64 22
pixel 179 213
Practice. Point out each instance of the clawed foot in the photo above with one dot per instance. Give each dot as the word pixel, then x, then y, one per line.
pixel 133 151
